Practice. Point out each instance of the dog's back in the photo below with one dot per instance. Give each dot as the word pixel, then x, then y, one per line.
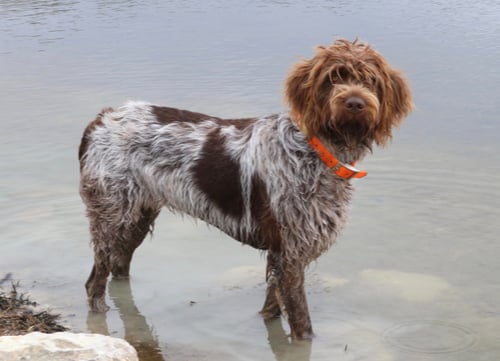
pixel 143 156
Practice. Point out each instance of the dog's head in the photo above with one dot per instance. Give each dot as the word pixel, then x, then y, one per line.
pixel 350 90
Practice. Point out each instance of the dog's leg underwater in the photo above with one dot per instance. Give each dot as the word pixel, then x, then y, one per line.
pixel 292 292
pixel 285 292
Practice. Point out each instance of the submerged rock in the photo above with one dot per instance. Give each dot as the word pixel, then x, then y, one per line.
pixel 65 346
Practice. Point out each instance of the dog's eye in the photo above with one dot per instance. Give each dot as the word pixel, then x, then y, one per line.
pixel 339 74
pixel 342 73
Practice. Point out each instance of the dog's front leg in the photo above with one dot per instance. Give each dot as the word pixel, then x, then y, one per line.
pixel 291 293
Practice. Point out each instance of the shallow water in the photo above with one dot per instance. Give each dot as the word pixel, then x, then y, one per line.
pixel 413 277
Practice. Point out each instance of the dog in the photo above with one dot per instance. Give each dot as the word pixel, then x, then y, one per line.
pixel 278 183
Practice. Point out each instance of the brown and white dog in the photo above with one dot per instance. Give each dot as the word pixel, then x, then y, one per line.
pixel 279 183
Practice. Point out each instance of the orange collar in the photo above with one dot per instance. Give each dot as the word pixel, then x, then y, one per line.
pixel 346 171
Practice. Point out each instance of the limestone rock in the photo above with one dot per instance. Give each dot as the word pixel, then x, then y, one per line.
pixel 65 346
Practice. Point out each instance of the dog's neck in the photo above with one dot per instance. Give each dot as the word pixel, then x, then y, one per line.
pixel 346 149
pixel 341 169
pixel 345 146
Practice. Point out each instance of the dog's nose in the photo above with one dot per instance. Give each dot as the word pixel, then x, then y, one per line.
pixel 354 104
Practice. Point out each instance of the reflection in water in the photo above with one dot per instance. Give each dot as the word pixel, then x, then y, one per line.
pixel 137 331
pixel 140 335
pixel 284 349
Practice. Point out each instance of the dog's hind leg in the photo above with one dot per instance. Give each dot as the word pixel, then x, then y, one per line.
pixel 96 283
pixel 118 225
pixel 132 235
pixel 115 238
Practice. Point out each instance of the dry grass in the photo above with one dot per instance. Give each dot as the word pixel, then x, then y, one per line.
pixel 18 315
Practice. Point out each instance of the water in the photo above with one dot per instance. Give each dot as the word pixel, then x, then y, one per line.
pixel 415 275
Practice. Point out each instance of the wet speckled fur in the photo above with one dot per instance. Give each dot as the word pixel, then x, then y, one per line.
pixel 256 179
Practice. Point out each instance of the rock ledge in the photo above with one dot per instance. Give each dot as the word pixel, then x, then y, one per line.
pixel 65 346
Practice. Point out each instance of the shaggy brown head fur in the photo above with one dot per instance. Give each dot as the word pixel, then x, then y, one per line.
pixel 350 90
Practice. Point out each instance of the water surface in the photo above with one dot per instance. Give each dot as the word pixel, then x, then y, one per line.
pixel 414 276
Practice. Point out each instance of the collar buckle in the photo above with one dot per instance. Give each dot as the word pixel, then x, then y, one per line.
pixel 347 171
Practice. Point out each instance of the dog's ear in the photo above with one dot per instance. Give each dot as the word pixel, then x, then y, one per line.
pixel 297 94
pixel 305 95
pixel 401 94
pixel 395 106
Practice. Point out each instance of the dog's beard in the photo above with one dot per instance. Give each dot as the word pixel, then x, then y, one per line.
pixel 350 132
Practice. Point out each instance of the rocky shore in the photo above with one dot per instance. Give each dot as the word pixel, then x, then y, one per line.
pixel 30 334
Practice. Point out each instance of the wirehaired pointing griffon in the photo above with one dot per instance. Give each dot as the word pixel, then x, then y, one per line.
pixel 279 183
